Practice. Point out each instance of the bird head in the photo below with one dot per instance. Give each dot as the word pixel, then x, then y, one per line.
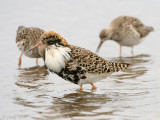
pixel 104 35
pixel 53 39
pixel 57 51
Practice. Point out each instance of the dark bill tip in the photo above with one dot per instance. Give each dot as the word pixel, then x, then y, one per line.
pixel 99 46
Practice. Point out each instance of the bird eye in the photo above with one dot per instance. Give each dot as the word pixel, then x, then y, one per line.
pixel 50 42
pixel 58 40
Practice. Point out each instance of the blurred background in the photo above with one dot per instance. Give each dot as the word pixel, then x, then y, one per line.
pixel 31 92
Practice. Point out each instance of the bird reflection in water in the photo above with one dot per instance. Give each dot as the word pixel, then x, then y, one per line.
pixel 31 82
pixel 78 104
pixel 29 77
pixel 138 66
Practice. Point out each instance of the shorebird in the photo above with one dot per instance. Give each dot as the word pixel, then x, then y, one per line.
pixel 25 39
pixel 75 64
pixel 126 31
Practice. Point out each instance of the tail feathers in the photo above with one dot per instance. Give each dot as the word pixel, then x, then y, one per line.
pixel 146 30
pixel 20 29
pixel 120 66
pixel 150 29
pixel 21 33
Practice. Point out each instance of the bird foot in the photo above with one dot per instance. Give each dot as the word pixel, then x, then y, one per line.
pixel 93 87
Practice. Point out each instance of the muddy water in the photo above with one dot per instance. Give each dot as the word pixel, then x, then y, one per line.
pixel 31 92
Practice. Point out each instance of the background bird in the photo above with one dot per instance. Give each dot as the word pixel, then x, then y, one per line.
pixel 75 64
pixel 126 31
pixel 25 39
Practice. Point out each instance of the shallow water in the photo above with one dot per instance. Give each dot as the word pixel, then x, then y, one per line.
pixel 31 92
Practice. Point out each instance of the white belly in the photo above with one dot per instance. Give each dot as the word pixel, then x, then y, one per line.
pixel 130 41
pixel 92 78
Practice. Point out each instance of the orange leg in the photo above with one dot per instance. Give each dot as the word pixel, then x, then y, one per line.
pixel 20 59
pixel 93 87
pixel 37 61
pixel 81 88
pixel 120 52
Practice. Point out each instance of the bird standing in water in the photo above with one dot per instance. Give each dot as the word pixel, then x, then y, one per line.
pixel 25 39
pixel 75 64
pixel 126 31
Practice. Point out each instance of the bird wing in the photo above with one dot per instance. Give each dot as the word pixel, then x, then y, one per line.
pixel 29 33
pixel 90 62
pixel 121 22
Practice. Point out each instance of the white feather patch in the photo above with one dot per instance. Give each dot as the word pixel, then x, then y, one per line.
pixel 92 78
pixel 56 58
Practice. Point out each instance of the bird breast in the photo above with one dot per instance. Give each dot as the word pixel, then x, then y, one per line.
pixel 57 58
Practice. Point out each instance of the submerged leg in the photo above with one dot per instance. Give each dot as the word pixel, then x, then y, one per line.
pixel 37 61
pixel 81 88
pixel 93 86
pixel 120 52
pixel 132 51
pixel 20 59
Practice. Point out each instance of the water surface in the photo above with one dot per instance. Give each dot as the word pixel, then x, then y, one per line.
pixel 31 92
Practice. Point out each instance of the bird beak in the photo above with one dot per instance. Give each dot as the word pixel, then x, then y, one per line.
pixel 38 44
pixel 99 46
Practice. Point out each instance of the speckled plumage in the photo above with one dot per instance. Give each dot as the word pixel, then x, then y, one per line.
pixel 126 31
pixel 76 64
pixel 84 62
pixel 126 22
pixel 26 38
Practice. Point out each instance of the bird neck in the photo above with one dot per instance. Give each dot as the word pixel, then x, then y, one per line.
pixel 114 35
pixel 110 33
pixel 57 58
pixel 41 51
